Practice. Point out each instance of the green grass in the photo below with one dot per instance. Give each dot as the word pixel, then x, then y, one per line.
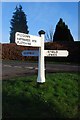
pixel 56 98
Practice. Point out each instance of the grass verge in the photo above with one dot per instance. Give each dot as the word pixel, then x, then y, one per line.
pixel 56 98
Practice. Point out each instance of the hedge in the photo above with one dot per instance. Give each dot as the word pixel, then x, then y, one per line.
pixel 11 51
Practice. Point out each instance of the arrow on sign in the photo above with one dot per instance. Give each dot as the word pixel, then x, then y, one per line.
pixel 56 53
pixel 27 40
pixel 30 53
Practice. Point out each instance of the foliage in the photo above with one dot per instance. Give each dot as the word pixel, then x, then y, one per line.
pixel 62 33
pixel 13 51
pixel 57 98
pixel 18 23
pixel 49 35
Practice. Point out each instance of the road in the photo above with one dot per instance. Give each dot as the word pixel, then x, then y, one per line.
pixel 14 68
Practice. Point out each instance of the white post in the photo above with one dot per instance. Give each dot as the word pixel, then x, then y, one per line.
pixel 41 70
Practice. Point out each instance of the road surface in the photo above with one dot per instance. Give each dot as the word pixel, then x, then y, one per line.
pixel 14 68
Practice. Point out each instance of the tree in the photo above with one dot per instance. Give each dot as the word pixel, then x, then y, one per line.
pixel 18 23
pixel 62 33
pixel 49 35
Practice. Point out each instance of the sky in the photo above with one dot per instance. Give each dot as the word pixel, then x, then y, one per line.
pixel 41 15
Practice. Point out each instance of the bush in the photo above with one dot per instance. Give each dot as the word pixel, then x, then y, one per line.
pixel 13 52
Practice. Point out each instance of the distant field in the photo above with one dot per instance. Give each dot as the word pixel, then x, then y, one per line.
pixel 56 98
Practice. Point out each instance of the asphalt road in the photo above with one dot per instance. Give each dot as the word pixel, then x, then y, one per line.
pixel 14 68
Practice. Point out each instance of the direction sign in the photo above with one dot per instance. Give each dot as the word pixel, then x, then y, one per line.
pixel 30 53
pixel 56 53
pixel 27 40
pixel 35 41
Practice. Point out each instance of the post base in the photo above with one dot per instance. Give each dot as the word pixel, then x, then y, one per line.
pixel 40 80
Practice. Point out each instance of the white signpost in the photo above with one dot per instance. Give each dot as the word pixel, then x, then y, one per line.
pixel 27 40
pixel 56 53
pixel 47 53
pixel 35 41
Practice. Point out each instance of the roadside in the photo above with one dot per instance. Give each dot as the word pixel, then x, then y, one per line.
pixel 14 68
pixel 56 98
